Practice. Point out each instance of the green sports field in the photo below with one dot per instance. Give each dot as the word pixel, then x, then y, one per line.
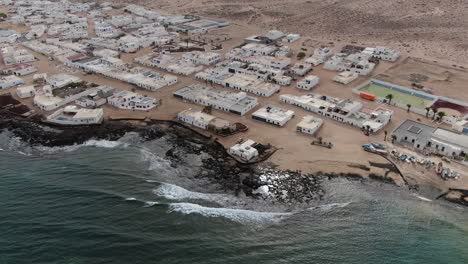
pixel 398 97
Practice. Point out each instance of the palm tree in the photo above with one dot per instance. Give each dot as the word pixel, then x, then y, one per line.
pixel 441 115
pixel 409 107
pixel 389 97
pixel 385 135
pixel 434 110
pixel 427 111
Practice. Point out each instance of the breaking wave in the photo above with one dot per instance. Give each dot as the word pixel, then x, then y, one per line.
pixel 9 142
pixel 236 215
pixel 327 207
pixel 156 163
pixel 174 192
pixel 423 198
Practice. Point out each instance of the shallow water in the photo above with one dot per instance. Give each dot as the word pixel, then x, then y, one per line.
pixel 123 202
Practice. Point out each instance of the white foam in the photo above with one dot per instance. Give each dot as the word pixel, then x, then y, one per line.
pixel 330 206
pixel 174 192
pixel 156 163
pixel 150 203
pixel 236 215
pixel 70 148
pixel 423 198
pixel 151 181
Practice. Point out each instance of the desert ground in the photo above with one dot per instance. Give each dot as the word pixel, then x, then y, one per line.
pixel 434 29
pixel 420 31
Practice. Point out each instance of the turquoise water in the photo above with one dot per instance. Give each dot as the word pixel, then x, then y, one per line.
pixel 110 202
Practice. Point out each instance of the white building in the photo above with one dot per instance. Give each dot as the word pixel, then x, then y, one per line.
pixel 273 115
pixel 301 69
pixel 291 38
pixel 20 70
pixel 258 49
pixel 308 82
pixel 342 110
pixel 356 62
pixel 8 36
pixel 105 53
pixel 12 55
pixel 274 34
pixel 204 58
pixel 45 100
pixel 121 20
pixel 245 150
pixel 62 80
pixel 130 100
pixel 10 81
pixel 320 56
pixel 195 118
pixel 238 81
pixel 345 77
pixel 383 53
pixel 71 115
pixel 424 137
pixel 236 103
pixel 26 91
pixel 309 125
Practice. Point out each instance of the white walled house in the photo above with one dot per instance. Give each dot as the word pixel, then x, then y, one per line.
pixel 320 56
pixel 345 77
pixel 195 118
pixel 10 81
pixel 383 53
pixel 71 115
pixel 245 150
pixel 309 125
pixel 26 91
pixel 427 138
pixel 342 110
pixel 204 58
pixel 301 69
pixel 291 38
pixel 274 34
pixel 273 115
pixel 308 82
pixel 62 80
pixel 8 36
pixel 132 101
pixel 236 103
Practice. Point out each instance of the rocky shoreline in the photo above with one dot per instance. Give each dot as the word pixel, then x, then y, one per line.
pixel 282 186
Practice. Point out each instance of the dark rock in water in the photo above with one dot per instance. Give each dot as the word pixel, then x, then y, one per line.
pixel 267 183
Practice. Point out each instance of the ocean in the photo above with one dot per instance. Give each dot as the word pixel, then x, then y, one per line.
pixel 124 202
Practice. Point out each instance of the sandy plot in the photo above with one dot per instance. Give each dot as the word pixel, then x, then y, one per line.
pixel 444 80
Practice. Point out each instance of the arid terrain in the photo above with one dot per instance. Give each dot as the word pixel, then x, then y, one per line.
pixel 428 28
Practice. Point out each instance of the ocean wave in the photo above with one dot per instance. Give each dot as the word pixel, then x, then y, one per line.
pixel 174 192
pixel 150 203
pixel 90 143
pixel 327 207
pixel 156 163
pixel 236 215
pixel 16 144
pixel 423 198
pixel 143 202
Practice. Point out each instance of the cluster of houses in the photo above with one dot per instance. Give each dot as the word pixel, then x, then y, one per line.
pixel 260 66
pixel 190 63
pixel 431 139
pixel 12 55
pixel 237 103
pixel 239 81
pixel 342 110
